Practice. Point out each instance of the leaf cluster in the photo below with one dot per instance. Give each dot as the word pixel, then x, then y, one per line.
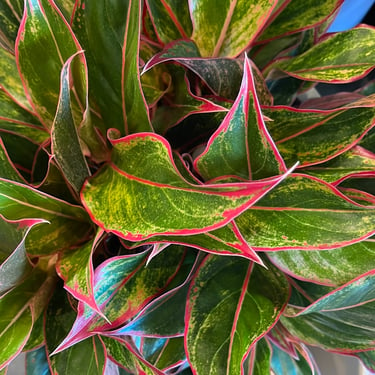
pixel 186 187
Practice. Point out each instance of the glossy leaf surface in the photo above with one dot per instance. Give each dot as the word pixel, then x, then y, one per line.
pixel 65 141
pixel 341 63
pixel 258 360
pixel 170 18
pixel 356 159
pixel 68 226
pixel 299 16
pixel 10 79
pixel 242 146
pixel 45 41
pixel 232 303
pixel 298 133
pixel 114 77
pixel 157 184
pixel 322 217
pixel 331 322
pixel 76 269
pixel 322 267
pixel 226 30
pixel 20 308
pixel 123 353
pixel 17 265
pixel 123 286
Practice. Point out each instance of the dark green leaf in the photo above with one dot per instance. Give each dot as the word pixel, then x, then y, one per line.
pixel 241 146
pixel 232 303
pixel 10 17
pixel 44 44
pixel 66 145
pixel 124 354
pixel 109 33
pixel 258 360
pixel 342 320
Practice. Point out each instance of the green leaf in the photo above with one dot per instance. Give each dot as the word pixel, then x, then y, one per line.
pixel 298 16
pixel 16 120
pixel 143 175
pixel 71 361
pixel 76 269
pixel 66 146
pixel 262 55
pixel 226 240
pixel 69 224
pixel 7 168
pixel 322 218
pixel 20 308
pixel 258 360
pixel 232 303
pixel 66 7
pixel 355 160
pixel 10 80
pixel 124 354
pixel 59 317
pixel 314 136
pixel 222 75
pixel 156 82
pixel 156 318
pixel 321 266
pixel 344 58
pixel 241 146
pixel 17 265
pixel 226 29
pixel 170 18
pixel 123 286
pixel 36 338
pixel 44 44
pixel 185 103
pixel 113 27
pixel 341 320
pixel 165 354
pixel 10 17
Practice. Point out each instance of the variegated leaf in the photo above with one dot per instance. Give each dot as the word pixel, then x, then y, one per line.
pixel 143 175
pixel 228 27
pixel 45 41
pixel 344 60
pixel 322 217
pixel 241 146
pixel 232 304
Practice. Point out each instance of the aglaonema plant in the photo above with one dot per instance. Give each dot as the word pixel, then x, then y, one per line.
pixel 172 199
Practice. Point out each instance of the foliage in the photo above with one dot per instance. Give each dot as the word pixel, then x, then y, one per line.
pixel 170 200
